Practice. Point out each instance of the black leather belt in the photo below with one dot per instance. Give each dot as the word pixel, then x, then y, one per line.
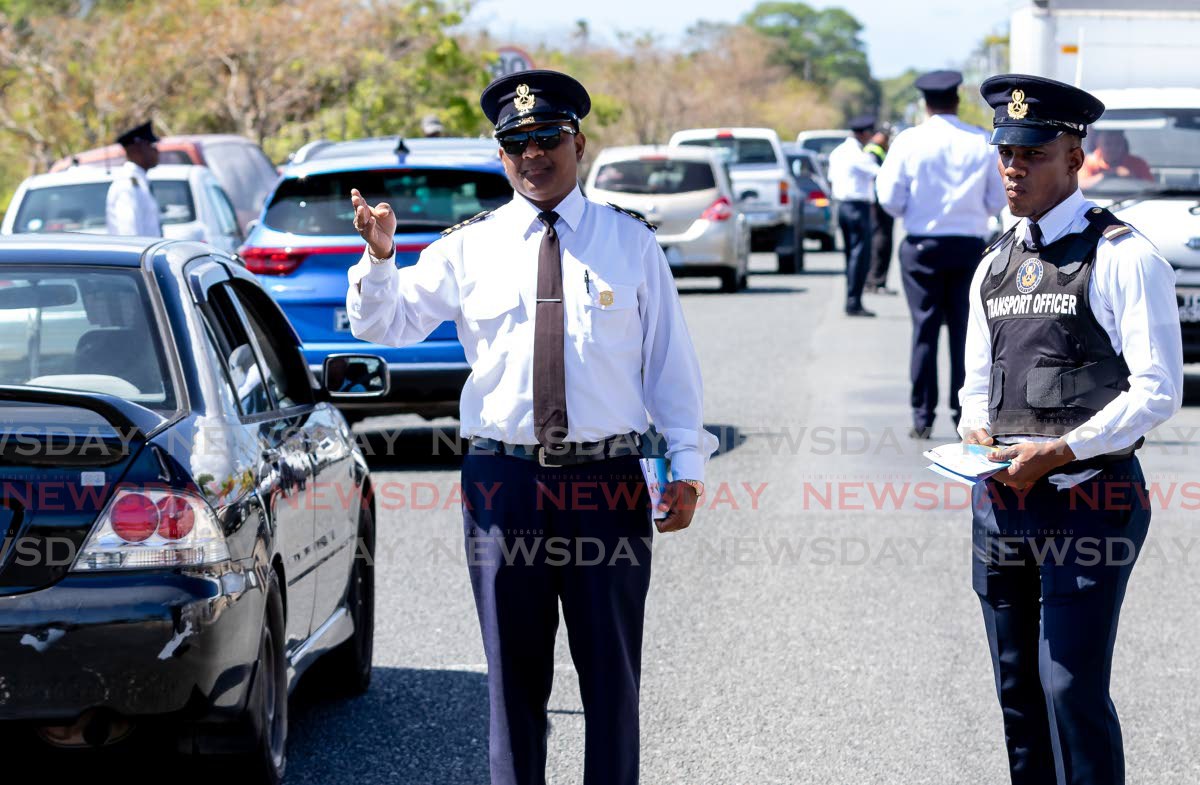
pixel 567 454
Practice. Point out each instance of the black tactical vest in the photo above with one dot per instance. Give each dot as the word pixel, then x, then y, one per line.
pixel 1053 366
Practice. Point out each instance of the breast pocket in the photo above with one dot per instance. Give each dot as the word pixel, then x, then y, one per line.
pixel 488 302
pixel 610 314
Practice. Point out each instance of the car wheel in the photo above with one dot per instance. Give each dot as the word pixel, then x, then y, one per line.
pixel 787 262
pixel 729 280
pixel 267 709
pixel 827 243
pixel 347 669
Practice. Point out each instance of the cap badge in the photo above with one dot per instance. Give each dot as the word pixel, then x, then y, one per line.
pixel 1017 108
pixel 524 100
pixel 606 298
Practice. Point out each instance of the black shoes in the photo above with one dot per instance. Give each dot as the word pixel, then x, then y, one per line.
pixel 881 290
pixel 858 310
pixel 921 433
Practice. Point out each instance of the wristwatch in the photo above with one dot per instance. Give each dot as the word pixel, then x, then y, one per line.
pixel 380 260
pixel 697 485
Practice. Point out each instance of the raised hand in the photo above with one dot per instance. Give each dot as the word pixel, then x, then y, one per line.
pixel 376 225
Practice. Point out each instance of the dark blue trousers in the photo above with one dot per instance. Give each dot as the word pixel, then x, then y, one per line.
pixel 855 221
pixel 937 280
pixel 1050 568
pixel 536 537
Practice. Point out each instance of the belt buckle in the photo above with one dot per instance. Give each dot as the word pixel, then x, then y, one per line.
pixel 541 457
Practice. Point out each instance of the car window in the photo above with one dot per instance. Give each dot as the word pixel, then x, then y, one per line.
pixel 63 208
pixel 226 218
pixel 1134 150
pixel 425 200
pixel 174 157
pixel 237 352
pixel 175 203
pixel 92 330
pixel 288 376
pixel 740 151
pixel 655 176
pixel 822 145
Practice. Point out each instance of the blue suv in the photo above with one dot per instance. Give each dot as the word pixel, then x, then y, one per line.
pixel 305 242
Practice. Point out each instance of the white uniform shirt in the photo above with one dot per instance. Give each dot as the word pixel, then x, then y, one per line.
pixel 1132 294
pixel 852 172
pixel 624 358
pixel 941 178
pixel 131 208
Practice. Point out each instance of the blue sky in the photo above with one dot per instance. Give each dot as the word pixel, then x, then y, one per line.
pixel 923 34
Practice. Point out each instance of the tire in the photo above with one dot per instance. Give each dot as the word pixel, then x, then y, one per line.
pixel 787 263
pixel 346 671
pixel 266 715
pixel 827 244
pixel 730 280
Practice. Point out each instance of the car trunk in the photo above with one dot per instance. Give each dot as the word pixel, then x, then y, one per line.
pixel 59 464
pixel 671 213
pixel 763 179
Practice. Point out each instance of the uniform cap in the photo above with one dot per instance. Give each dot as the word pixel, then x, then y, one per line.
pixel 1032 111
pixel 863 122
pixel 141 133
pixel 535 96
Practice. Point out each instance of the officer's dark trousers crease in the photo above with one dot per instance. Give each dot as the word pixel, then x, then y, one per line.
pixel 536 537
pixel 1051 571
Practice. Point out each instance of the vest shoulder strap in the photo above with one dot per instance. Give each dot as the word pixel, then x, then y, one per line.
pixel 1002 240
pixel 1108 224
pixel 1000 263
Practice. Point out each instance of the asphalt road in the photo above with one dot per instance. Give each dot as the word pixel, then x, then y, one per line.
pixel 811 627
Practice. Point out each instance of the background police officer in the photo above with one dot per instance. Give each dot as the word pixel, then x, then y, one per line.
pixel 130 208
pixel 572 326
pixel 852 173
pixel 1073 355
pixel 882 225
pixel 940 178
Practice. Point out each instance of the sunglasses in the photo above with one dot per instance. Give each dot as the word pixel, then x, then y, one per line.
pixel 546 138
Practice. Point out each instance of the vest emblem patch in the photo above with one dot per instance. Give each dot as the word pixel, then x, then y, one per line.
pixel 1029 275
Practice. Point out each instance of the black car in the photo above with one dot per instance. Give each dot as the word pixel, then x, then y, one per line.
pixel 186 520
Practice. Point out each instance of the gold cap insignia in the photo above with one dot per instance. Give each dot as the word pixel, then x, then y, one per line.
pixel 524 100
pixel 606 299
pixel 1017 108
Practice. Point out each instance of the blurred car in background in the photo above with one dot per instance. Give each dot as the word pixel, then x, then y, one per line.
pixel 688 194
pixel 821 143
pixel 820 220
pixel 165 577
pixel 437 145
pixel 191 204
pixel 240 166
pixel 762 184
pixel 306 242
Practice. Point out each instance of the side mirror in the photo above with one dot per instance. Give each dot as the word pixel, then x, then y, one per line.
pixel 350 376
pixel 748 195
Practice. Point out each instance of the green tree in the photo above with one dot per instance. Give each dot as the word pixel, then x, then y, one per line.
pixel 821 46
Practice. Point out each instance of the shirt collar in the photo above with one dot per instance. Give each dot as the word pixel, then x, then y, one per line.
pixel 135 170
pixel 570 210
pixel 1059 220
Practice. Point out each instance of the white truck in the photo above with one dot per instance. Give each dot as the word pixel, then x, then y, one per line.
pixel 1142 59
pixel 763 185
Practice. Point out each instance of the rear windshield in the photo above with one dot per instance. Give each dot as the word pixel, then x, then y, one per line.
pixel 1129 151
pixel 740 151
pixel 655 177
pixel 424 200
pixel 90 330
pixel 822 145
pixel 81 207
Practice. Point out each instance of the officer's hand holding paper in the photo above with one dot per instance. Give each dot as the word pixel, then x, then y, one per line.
pixel 965 462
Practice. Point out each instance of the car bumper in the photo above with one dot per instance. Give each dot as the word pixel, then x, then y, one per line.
pixel 705 243
pixel 137 644
pixel 764 218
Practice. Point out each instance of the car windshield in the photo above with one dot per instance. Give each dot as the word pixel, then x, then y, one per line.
pixel 80 207
pixel 655 176
pixel 740 150
pixel 1134 150
pixel 424 200
pixel 822 145
pixel 85 329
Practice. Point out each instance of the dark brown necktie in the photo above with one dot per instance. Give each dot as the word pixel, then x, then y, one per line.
pixel 549 372
pixel 1036 239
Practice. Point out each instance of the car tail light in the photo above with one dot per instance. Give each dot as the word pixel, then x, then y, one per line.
pixel 720 210
pixel 148 528
pixel 784 196
pixel 284 261
pixel 724 134
pixel 818 198
pixel 653 158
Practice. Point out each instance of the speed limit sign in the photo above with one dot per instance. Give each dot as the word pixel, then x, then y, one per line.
pixel 511 60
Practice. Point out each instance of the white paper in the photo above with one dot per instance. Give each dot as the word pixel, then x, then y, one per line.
pixel 655 472
pixel 966 460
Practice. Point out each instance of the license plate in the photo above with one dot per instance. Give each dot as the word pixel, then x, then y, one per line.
pixel 1189 307
pixel 341 322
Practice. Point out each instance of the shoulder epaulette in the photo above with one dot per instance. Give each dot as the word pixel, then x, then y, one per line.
pixel 634 214
pixel 1001 241
pixel 1109 225
pixel 473 219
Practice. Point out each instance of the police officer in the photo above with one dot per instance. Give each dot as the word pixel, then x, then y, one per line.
pixel 130 208
pixel 940 178
pixel 1073 355
pixel 852 173
pixel 882 223
pixel 571 323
